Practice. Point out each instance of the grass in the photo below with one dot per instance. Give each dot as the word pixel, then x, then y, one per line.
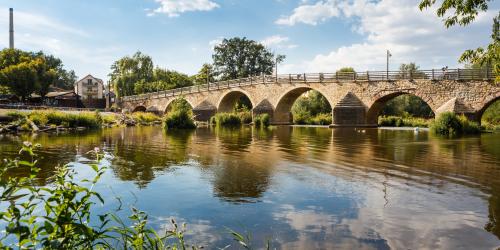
pixel 145 117
pixel 397 121
pixel 58 118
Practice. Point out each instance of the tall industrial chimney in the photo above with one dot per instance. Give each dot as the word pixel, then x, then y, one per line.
pixel 11 28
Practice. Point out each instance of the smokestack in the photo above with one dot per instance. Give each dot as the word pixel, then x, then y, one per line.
pixel 11 28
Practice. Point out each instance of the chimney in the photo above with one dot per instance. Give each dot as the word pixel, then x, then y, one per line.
pixel 11 28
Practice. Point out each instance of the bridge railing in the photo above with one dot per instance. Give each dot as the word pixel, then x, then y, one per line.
pixel 434 74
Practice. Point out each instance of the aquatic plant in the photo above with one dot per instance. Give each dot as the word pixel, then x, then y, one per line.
pixel 398 121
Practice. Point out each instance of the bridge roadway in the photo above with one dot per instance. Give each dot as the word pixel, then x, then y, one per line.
pixel 356 98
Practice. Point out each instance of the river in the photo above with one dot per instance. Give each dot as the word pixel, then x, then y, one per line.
pixel 298 187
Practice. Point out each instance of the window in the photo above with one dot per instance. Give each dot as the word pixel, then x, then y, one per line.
pixel 89 81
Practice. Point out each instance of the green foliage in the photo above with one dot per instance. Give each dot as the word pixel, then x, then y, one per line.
pixel 137 75
pixel 492 114
pixel 262 120
pixel 16 115
pixel 145 117
pixel 58 118
pixel 205 72
pixel 448 123
pixel 406 121
pixel 311 108
pixel 226 119
pixel 346 70
pixel 321 119
pixel 180 116
pixel 405 105
pixel 464 13
pixel 25 72
pixel 239 57
pixel 245 117
pixel 410 70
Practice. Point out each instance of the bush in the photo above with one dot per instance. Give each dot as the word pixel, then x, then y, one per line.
pixel 301 117
pixel 180 116
pixel 448 123
pixel 408 121
pixel 227 119
pixel 262 120
pixel 245 117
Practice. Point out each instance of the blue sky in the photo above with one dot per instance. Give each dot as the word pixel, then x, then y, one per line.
pixel 315 35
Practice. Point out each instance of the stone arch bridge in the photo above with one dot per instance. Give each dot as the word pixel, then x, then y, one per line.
pixel 356 98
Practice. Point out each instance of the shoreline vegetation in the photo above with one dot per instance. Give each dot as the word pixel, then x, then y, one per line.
pixel 55 120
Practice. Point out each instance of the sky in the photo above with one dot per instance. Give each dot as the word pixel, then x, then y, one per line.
pixel 315 35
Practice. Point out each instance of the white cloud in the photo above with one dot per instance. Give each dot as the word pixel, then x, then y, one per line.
pixel 215 42
pixel 398 25
pixel 311 13
pixel 278 41
pixel 174 8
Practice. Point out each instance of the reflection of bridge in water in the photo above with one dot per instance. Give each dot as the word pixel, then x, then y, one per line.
pixel 356 98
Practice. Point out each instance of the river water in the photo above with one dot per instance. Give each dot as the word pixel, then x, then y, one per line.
pixel 296 187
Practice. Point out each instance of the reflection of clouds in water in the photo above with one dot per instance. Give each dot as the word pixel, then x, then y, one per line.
pixel 425 218
pixel 315 229
pixel 200 232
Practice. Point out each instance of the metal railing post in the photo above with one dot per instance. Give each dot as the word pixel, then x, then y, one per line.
pixel 305 78
pixel 432 74
pixel 290 78
pixel 458 74
pixel 368 75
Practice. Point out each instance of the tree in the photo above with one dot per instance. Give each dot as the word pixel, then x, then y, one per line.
pixel 205 72
pixel 464 13
pixel 128 71
pixel 21 78
pixel 410 70
pixel 346 70
pixel 240 57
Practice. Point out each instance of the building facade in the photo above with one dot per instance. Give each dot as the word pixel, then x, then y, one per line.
pixel 90 88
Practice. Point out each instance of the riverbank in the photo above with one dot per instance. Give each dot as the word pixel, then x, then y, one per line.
pixel 15 121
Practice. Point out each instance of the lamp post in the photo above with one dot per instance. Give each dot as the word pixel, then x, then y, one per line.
pixel 387 65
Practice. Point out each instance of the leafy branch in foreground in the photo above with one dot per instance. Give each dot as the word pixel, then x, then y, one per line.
pixel 61 216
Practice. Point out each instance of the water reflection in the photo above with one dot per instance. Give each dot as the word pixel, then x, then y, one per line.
pixel 304 187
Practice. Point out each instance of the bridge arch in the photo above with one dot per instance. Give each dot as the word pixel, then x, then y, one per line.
pixel 139 108
pixel 170 103
pixel 381 100
pixel 228 100
pixel 486 104
pixel 283 110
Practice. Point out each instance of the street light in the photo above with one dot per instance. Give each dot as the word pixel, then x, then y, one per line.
pixel 387 71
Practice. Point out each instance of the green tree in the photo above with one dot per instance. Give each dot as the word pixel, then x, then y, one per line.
pixel 128 71
pixel 346 70
pixel 463 13
pixel 410 70
pixel 239 57
pixel 310 105
pixel 205 72
pixel 21 78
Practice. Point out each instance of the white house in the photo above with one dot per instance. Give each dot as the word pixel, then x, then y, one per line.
pixel 90 87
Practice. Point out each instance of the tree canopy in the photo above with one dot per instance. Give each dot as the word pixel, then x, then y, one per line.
pixel 240 57
pixel 464 12
pixel 24 73
pixel 137 75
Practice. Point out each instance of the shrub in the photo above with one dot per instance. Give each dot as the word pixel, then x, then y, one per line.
pixel 39 118
pixel 227 119
pixel 180 116
pixel 301 116
pixel 448 123
pixel 245 117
